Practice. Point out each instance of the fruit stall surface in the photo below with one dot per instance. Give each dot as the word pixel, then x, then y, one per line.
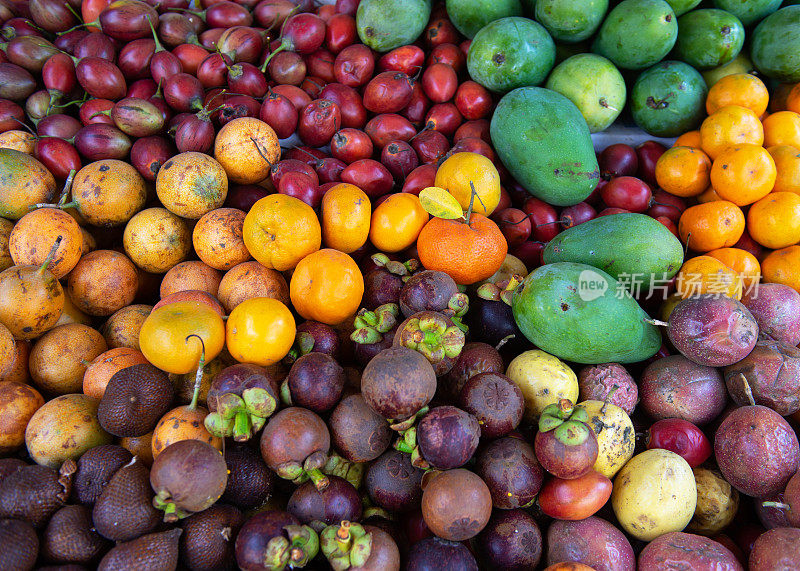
pixel 400 285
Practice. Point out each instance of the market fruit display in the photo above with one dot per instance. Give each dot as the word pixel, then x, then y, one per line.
pixel 400 285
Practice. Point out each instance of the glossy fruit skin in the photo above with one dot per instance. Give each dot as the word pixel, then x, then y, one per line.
pixel 263 324
pixel 681 437
pixel 509 467
pixel 575 499
pixel 326 286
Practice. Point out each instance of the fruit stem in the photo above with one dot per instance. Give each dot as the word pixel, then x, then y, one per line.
pixel 51 254
pixel 776 505
pixel 503 341
pixel 278 50
pixel 260 152
pixel 198 378
pixel 241 426
pixel 159 47
pixel 657 322
pixel 473 195
pixel 320 480
pixel 343 538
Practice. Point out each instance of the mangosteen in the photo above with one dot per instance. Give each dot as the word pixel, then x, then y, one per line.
pixel 384 280
pixel 338 501
pixel 433 334
pixel 275 539
pixel 456 504
pixel 491 320
pixel 446 438
pixel 295 444
pixel 431 290
pixel 359 547
pixel 374 331
pixel 437 554
pixel 511 540
pixel 509 467
pixel 359 433
pixel 187 477
pixel 315 382
pixel 240 399
pixel 475 357
pixel 314 336
pixel 398 382
pixel 495 400
pixel 393 482
pixel 565 445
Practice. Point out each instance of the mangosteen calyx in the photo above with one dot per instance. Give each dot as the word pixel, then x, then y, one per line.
pixel 311 468
pixel 500 291
pixel 567 421
pixel 431 335
pixel 408 443
pixel 402 269
pixel 370 326
pixel 294 550
pixel 172 513
pixel 353 472
pixel 241 417
pixel 346 545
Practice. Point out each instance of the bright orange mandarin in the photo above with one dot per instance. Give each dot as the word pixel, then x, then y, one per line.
pixel 712 225
pixel 730 125
pixel 743 174
pixel 397 222
pixel 741 89
pixel 708 195
pixel 346 213
pixel 774 221
pixel 782 128
pixel 783 267
pixel 689 139
pixel 683 171
pixel 742 262
pixel 793 99
pixel 704 274
pixel 326 286
pixel 787 165
pixel 467 253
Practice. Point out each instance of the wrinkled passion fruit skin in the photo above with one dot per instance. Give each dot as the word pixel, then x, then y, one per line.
pixel 756 450
pixel 448 437
pixel 771 374
pixel 776 549
pixel 398 382
pixel 776 309
pixel 511 540
pixel 597 382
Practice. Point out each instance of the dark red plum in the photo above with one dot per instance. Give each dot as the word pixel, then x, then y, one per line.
pixel 648 154
pixel 776 549
pixel 444 118
pixel 278 112
pixel 244 196
pixel 421 177
pixel 756 450
pixel 618 159
pixel 287 68
pixel 509 467
pixel 388 92
pixel 350 145
pixel 496 401
pixel 340 32
pixel 675 387
pixel 99 141
pixel 59 156
pixel 511 540
pixel 418 107
pixel 318 122
pixel 400 158
pixel 127 21
pixel 430 146
pixel 16 83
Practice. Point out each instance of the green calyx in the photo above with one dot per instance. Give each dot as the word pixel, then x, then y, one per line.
pixel 402 269
pixel 303 345
pixel 241 417
pixel 294 550
pixel 407 443
pixel 500 291
pixel 310 469
pixel 370 326
pixel 353 472
pixel 172 512
pixel 567 420
pixel 346 545
pixel 432 335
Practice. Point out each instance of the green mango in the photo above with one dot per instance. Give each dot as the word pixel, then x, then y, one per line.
pixel 749 11
pixel 709 38
pixel 680 7
pixel 669 99
pixel 775 49
pixel 545 143
pixel 594 85
pixel 387 24
pixel 509 53
pixel 633 248
pixel 579 313
pixel 637 33
pixel 571 20
pixel 469 16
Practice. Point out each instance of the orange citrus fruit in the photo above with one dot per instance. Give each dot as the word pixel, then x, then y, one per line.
pixel 743 89
pixel 396 222
pixel 774 221
pixel 683 171
pixel 743 174
pixel 326 286
pixel 730 125
pixel 787 165
pixel 711 225
pixel 346 213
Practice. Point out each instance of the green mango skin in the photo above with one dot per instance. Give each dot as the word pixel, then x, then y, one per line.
pixel 669 99
pixel 775 49
pixel 637 34
pixel 561 317
pixel 544 141
pixel 749 11
pixel 509 53
pixel 571 20
pixel 632 248
pixel 387 24
pixel 680 7
pixel 709 38
pixel 469 16
pixel 594 85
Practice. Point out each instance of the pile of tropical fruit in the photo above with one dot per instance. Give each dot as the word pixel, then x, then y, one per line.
pixel 350 285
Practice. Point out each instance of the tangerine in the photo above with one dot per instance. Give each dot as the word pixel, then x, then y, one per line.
pixel 730 125
pixel 743 174
pixel 683 171
pixel 774 221
pixel 782 128
pixel 742 262
pixel 707 275
pixel 783 267
pixel 743 89
pixel 787 165
pixel 396 222
pixel 326 286
pixel 711 225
